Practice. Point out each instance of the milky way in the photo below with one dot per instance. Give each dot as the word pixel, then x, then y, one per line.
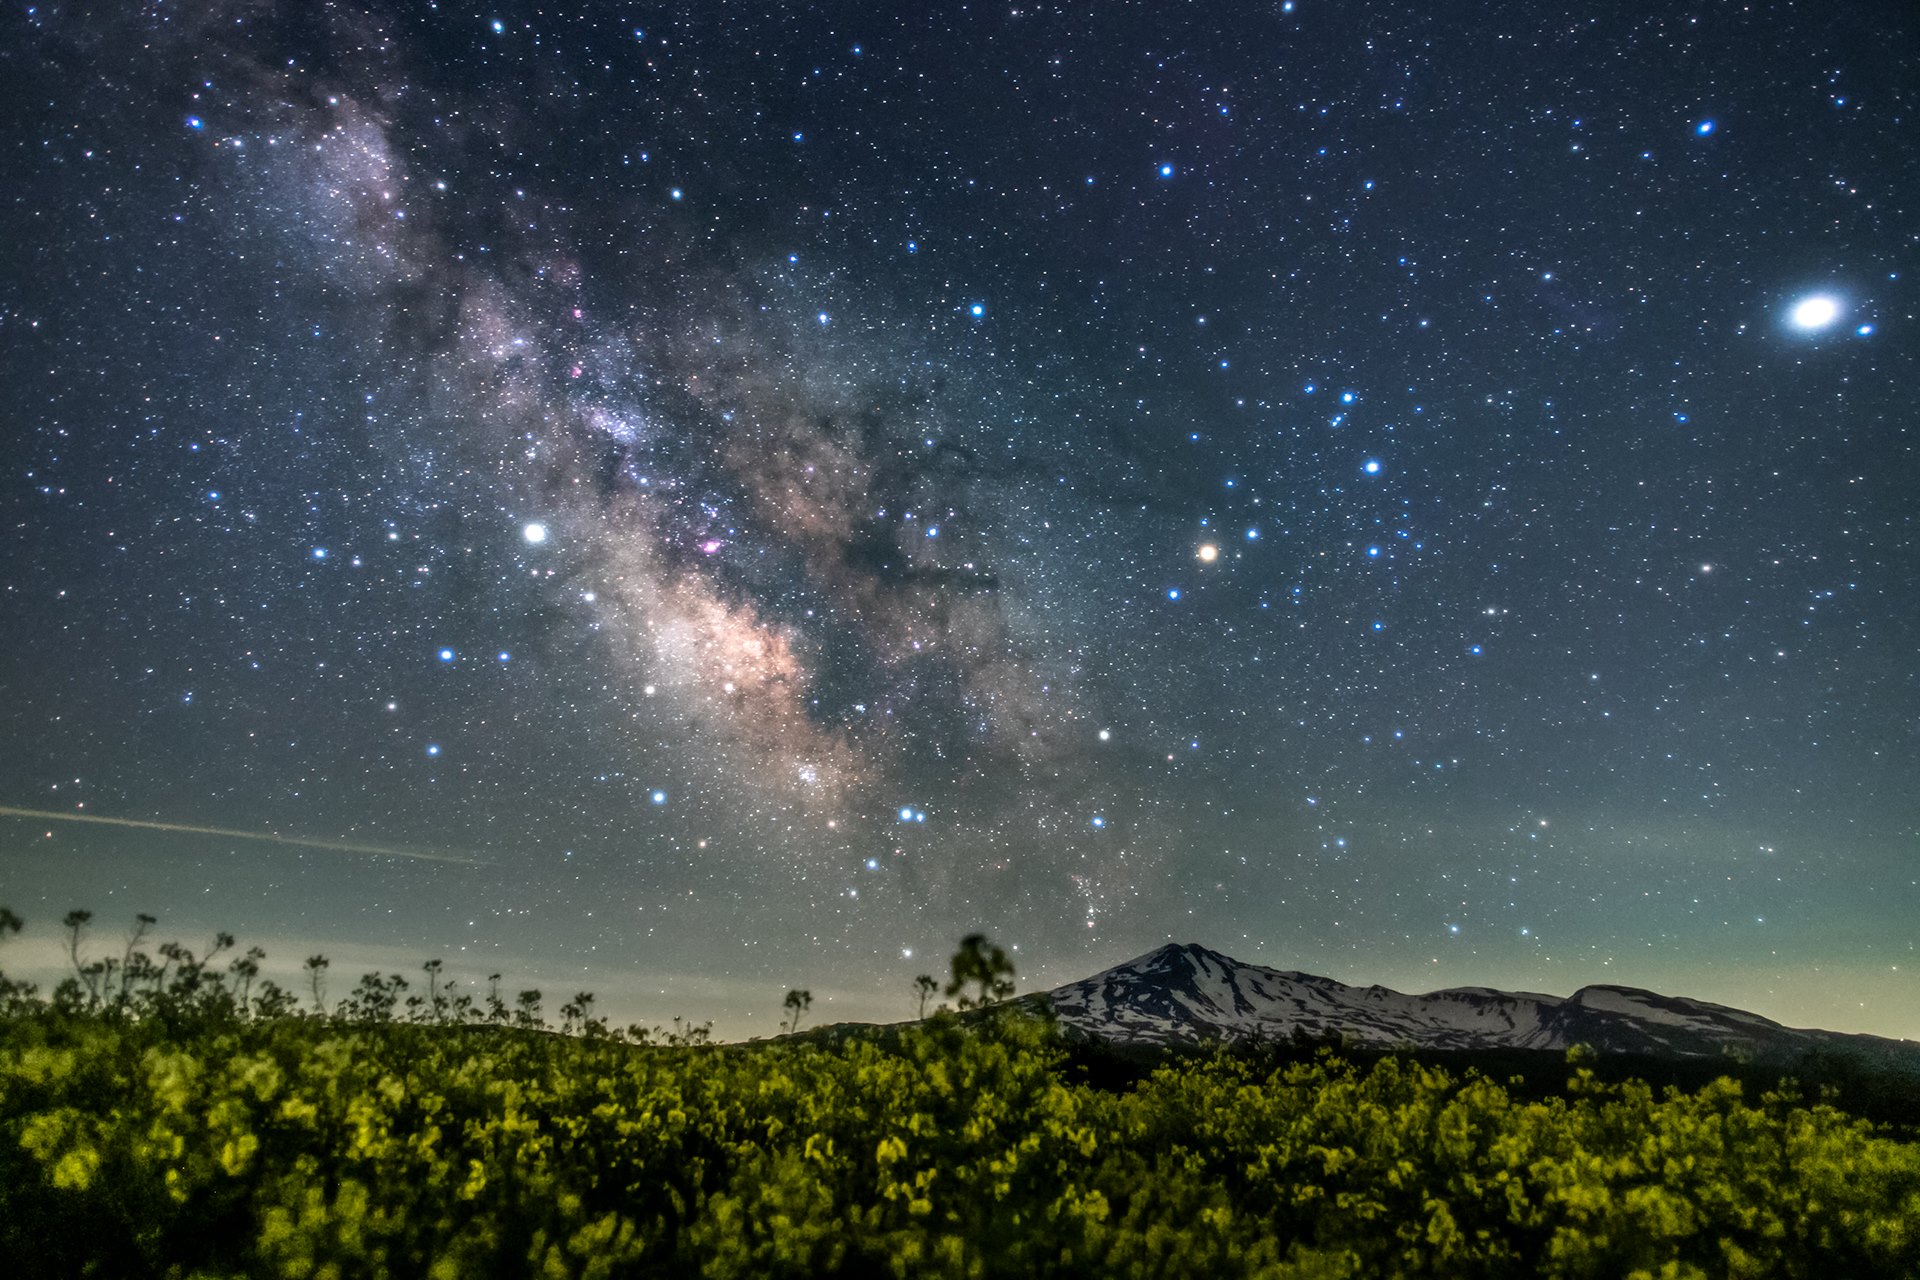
pixel 1419 498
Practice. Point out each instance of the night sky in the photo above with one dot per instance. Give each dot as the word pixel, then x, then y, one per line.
pixel 686 501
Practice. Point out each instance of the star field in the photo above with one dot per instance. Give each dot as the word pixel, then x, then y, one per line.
pixel 1422 497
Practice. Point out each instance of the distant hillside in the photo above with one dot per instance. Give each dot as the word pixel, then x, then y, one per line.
pixel 1186 994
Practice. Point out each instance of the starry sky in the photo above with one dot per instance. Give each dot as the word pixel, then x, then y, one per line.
pixel 687 500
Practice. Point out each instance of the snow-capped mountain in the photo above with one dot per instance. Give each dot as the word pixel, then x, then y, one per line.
pixel 1184 993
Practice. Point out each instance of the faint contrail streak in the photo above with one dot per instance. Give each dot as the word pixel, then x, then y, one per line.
pixel 179 828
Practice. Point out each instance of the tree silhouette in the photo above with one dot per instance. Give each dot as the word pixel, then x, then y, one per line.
pixel 75 923
pixel 436 998
pixel 11 991
pixel 375 998
pixel 796 1004
pixel 924 987
pixel 316 968
pixel 133 962
pixel 983 966
pixel 245 969
pixel 577 1017
pixel 496 1007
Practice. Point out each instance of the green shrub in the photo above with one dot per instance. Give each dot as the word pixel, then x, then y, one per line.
pixel 312 1147
pixel 174 1119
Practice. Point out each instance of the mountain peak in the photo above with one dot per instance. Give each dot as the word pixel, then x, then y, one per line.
pixel 1175 951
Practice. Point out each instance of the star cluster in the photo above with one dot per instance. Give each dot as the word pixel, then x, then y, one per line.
pixel 1422 497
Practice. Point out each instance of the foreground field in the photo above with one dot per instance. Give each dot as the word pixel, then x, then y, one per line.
pixel 294 1146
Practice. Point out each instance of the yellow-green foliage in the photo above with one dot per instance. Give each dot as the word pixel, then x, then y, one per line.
pixel 308 1148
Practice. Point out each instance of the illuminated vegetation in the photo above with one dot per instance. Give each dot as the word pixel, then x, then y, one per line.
pixel 182 1131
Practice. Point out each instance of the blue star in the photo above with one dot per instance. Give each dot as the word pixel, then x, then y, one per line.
pixel 319 553
pixel 658 797
pixel 433 748
pixel 1373 552
pixel 977 310
pixel 1705 127
pixel 1098 821
pixel 1371 466
pixel 1173 593
pixel 446 655
pixel 1166 171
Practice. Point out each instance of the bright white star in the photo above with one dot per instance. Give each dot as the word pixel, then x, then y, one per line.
pixel 1815 312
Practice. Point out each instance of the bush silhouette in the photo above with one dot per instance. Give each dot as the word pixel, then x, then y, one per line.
pixel 981 966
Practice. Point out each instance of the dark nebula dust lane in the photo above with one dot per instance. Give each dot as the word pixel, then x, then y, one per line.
pixel 1418 497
